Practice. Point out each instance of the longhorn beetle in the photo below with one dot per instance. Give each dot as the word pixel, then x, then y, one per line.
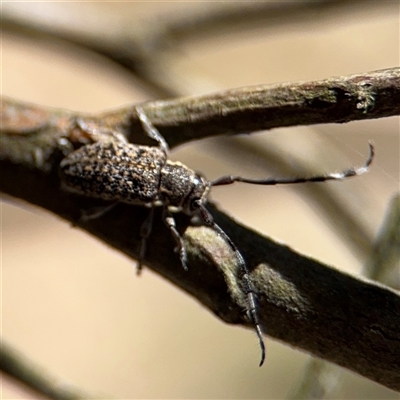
pixel 118 171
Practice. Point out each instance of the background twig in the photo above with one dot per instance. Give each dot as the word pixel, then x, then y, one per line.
pixel 34 378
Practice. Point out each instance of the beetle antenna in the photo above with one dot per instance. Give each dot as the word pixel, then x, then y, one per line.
pixel 244 276
pixel 229 179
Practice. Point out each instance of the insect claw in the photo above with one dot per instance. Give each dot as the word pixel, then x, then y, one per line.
pixel 262 344
pixel 184 265
pixel 139 268
pixel 183 258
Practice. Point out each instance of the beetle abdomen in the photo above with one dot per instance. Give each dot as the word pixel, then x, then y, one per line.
pixel 115 171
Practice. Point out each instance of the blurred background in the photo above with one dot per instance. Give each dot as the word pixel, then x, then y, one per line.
pixel 76 308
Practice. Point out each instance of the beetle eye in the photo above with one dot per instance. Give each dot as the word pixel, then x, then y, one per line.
pixel 195 204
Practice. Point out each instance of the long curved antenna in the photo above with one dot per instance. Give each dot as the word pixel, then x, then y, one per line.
pixel 243 276
pixel 229 179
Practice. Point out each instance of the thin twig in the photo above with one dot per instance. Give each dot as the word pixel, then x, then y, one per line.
pixel 35 378
pixel 335 100
pixel 384 262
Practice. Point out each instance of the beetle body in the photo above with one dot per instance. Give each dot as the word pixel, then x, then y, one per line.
pixel 141 175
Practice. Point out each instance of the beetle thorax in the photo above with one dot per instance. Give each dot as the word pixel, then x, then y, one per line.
pixel 181 187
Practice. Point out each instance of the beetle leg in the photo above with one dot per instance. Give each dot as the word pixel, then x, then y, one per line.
pixel 180 246
pixel 151 131
pixel 96 212
pixel 145 231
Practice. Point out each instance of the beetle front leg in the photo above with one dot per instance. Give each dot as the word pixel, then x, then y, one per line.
pixel 180 246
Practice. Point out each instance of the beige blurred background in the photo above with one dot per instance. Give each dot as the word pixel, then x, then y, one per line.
pixel 75 306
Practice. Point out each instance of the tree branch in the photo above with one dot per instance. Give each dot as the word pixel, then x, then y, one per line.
pixel 306 304
pixel 335 100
